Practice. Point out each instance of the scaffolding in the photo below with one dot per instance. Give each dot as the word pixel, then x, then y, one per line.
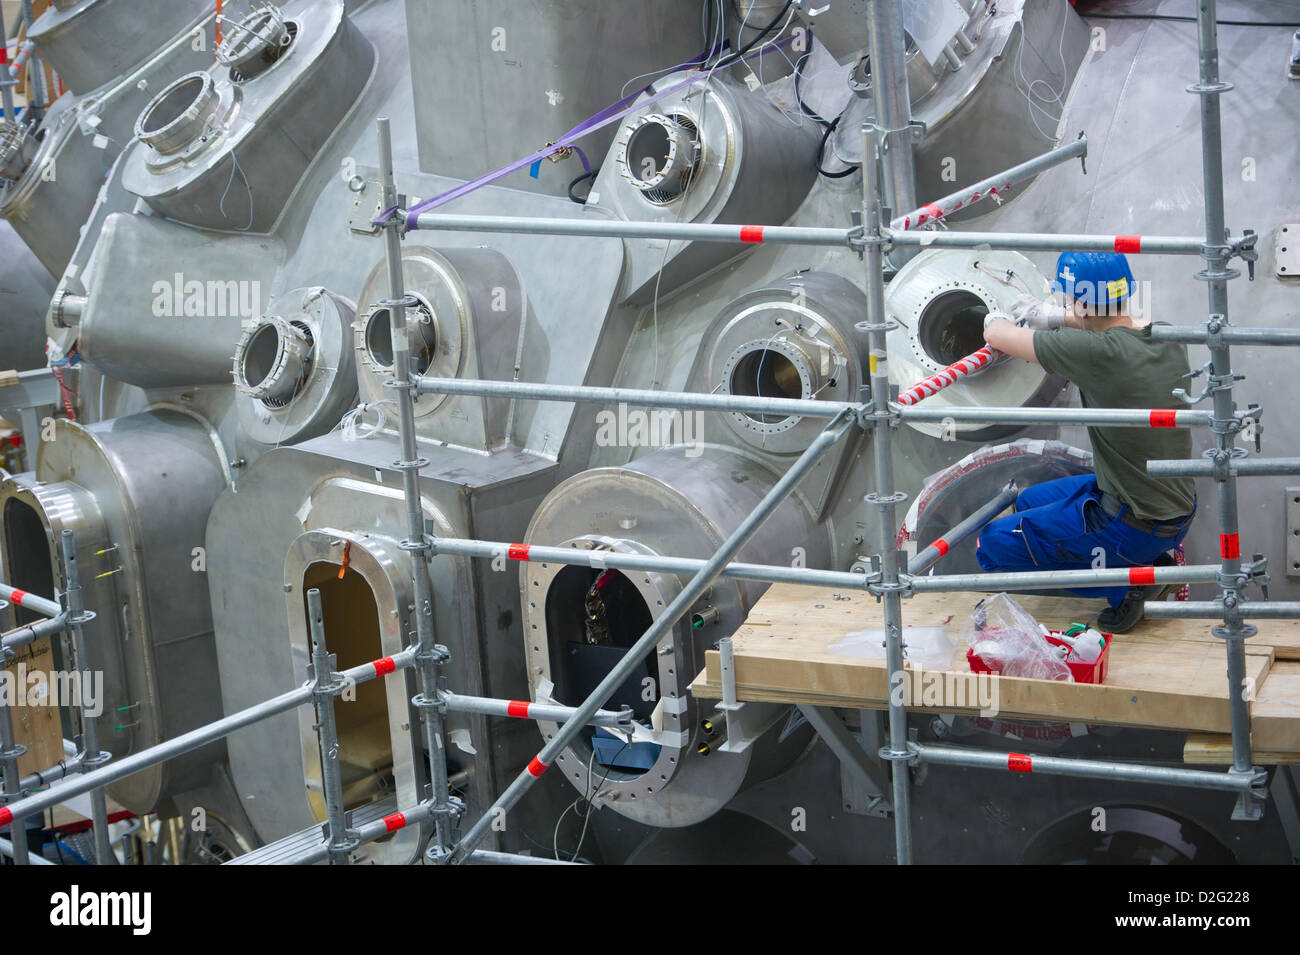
pixel 885 574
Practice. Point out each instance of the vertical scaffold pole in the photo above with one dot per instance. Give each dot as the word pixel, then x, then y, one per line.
pixel 92 757
pixel 325 685
pixel 884 498
pixel 1226 424
pixel 429 656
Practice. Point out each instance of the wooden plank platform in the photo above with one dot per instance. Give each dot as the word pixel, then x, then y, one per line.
pixel 1164 675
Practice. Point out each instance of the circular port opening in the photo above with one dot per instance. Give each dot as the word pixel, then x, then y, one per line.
pixel 766 373
pixel 952 326
pixel 171 104
pixel 647 151
pixel 592 617
pixel 661 155
pixel 274 361
pixel 422 330
pixel 260 355
pixel 179 114
pixel 259 50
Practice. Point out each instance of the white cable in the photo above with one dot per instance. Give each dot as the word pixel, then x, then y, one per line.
pixel 348 424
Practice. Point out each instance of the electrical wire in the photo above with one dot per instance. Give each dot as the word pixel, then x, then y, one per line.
pixel 249 189
pixel 821 152
pixel 798 72
pixel 1028 91
pixel 348 424
pixel 592 174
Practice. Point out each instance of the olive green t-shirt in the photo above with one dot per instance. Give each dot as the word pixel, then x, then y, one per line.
pixel 1124 368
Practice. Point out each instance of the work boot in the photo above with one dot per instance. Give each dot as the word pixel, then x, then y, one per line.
pixel 1127 615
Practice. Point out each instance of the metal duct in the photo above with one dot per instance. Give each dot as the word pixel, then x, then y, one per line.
pixel 578 620
pixel 939 301
pixel 468 323
pixel 259 132
pixel 295 367
pixel 165 304
pixel 713 152
pixel 137 492
pixel 93 42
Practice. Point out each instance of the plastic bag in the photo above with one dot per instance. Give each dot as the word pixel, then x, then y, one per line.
pixel 1010 641
pixel 926 647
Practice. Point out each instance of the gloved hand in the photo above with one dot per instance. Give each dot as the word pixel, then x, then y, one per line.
pixel 992 317
pixel 1038 315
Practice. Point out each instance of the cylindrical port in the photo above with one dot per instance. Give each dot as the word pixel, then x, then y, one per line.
pixel 952 326
pixel 421 329
pixel 255 42
pixel 767 372
pixel 705 617
pixel 180 114
pixel 660 155
pixel 272 360
pixel 68 309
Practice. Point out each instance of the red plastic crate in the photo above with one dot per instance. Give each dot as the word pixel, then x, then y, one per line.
pixel 1094 672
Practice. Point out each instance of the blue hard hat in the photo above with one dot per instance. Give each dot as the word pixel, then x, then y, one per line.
pixel 1098 279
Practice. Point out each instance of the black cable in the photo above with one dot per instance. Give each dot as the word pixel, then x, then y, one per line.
pixel 821 151
pixel 1169 16
pixel 591 174
pixel 798 71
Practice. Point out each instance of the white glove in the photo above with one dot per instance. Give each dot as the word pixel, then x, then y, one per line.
pixel 1038 315
pixel 992 317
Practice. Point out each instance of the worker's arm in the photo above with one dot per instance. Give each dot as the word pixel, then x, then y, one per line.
pixel 1009 338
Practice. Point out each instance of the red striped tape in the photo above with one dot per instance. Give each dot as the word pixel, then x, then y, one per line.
pixel 1229 545
pixel 941 546
pixel 1142 576
pixel 517 709
pixel 1020 763
pixel 537 767
pixel 1163 418
pixel 384 665
pixel 751 233
pixel 517 551
pixel 1128 243
pixel 394 822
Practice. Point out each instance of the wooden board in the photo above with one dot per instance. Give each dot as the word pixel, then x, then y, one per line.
pixel 37 727
pixel 782 655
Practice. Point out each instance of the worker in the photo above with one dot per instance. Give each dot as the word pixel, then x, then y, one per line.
pixel 1119 516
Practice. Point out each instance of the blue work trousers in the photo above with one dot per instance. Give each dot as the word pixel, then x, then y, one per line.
pixel 1061 525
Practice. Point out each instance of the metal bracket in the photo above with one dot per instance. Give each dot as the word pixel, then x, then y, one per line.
pixel 1244 247
pixel 1183 395
pixel 1250 805
pixel 1286 250
pixel 1293 532
pixel 368 205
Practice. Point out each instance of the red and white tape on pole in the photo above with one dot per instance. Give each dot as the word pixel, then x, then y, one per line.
pixel 950 375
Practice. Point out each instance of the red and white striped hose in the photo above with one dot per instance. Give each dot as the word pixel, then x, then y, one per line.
pixel 950 375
